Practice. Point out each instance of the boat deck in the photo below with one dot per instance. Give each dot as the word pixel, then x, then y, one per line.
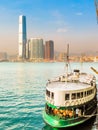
pixel 71 82
pixel 67 86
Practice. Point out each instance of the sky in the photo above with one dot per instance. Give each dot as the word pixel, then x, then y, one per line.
pixel 65 22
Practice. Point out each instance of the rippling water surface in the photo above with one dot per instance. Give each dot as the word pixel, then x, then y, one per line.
pixel 22 89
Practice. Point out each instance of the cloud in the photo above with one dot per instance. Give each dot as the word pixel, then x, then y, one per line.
pixel 58 23
pixel 58 18
pixel 79 13
pixel 62 30
pixel 56 14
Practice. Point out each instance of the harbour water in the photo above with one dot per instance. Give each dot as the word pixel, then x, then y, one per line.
pixel 22 90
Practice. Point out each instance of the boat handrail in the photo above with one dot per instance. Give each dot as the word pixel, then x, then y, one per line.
pixel 89 115
pixel 70 80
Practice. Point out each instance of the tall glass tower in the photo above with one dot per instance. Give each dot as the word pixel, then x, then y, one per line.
pixel 36 49
pixel 49 50
pixel 22 37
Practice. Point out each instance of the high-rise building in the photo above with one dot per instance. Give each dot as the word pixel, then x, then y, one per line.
pixel 49 50
pixel 22 37
pixel 62 56
pixel 36 49
pixel 27 50
pixel 3 56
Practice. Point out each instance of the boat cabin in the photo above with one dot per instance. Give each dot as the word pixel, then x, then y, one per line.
pixel 70 92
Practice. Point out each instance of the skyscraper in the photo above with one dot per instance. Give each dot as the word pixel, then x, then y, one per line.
pixel 22 37
pixel 36 49
pixel 49 50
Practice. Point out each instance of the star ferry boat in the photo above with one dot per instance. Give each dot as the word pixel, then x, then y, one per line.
pixel 70 99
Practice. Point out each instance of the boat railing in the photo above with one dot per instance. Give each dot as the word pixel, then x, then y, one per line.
pixel 83 99
pixel 71 78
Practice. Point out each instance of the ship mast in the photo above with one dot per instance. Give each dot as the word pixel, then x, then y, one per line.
pixel 67 60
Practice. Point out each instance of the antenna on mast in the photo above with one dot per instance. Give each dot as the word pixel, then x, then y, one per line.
pixel 67 60
pixel 68 53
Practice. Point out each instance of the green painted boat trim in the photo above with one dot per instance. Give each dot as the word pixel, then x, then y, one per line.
pixel 52 106
pixel 61 123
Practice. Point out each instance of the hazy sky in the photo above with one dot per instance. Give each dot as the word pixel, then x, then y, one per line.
pixel 63 21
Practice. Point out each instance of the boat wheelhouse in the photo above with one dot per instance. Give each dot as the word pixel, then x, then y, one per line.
pixel 70 100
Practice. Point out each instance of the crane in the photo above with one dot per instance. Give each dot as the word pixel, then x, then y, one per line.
pixel 96 4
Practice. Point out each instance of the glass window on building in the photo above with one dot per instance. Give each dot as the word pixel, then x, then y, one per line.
pixel 78 95
pixel 73 96
pixel 67 96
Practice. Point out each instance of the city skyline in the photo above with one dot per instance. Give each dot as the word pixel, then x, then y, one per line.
pixel 66 21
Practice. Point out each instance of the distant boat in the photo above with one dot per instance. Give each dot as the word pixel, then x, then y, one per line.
pixel 70 99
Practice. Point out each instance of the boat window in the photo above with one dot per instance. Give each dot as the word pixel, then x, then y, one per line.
pixel 63 76
pixel 81 94
pixel 91 83
pixel 66 96
pixel 73 96
pixel 48 93
pixel 78 95
pixel 89 92
pixel 52 95
pixel 85 94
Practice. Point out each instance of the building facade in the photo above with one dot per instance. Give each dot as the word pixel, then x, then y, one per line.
pixel 3 56
pixel 49 50
pixel 22 37
pixel 27 50
pixel 62 56
pixel 36 49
